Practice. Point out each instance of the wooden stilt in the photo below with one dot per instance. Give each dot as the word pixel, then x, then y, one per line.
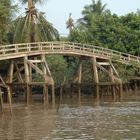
pixel 135 86
pixel 112 81
pixel 46 99
pixel 97 92
pixel 96 78
pixel 79 79
pixel 29 94
pixel 27 80
pixel 71 90
pixel 9 97
pixel 10 80
pixel 9 93
pixel 53 94
pixel 1 100
pixel 121 91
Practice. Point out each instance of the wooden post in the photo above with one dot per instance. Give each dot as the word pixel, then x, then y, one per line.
pixel 96 78
pixel 53 94
pixel 8 92
pixel 47 71
pixel 79 79
pixel 27 80
pixel 135 86
pixel 11 69
pixel 45 93
pixel 121 91
pixel 1 100
pixel 71 90
pixel 10 80
pixel 112 81
pixel 46 97
pixel 9 97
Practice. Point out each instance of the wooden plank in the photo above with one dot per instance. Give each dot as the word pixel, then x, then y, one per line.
pixel 103 63
pixel 35 61
pixel 20 50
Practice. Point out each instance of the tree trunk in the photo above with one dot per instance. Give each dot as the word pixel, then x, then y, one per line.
pixel 30 4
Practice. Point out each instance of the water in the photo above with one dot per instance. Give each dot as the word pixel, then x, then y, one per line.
pixel 87 120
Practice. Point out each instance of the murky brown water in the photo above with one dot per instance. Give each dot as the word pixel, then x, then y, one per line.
pixel 85 121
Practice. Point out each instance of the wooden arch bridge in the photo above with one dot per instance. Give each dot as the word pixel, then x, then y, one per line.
pixel 29 58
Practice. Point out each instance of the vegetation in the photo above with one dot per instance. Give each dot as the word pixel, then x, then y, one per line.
pixel 97 26
pixel 100 27
pixel 33 27
pixel 5 17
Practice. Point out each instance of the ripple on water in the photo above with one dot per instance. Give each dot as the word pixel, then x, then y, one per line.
pixel 115 121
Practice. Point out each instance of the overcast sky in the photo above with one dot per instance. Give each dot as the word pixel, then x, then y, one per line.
pixel 57 11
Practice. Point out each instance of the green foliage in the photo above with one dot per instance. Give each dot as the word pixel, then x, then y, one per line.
pixel 5 17
pixel 100 27
pixel 32 27
pixel 58 68
pixel 23 28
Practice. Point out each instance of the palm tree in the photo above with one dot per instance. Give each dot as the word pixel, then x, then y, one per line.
pixel 33 26
pixel 70 23
pixel 93 10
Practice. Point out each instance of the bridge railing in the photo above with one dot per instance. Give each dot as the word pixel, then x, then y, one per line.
pixel 27 48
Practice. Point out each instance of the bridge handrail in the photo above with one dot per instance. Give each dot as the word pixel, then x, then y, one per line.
pixel 83 48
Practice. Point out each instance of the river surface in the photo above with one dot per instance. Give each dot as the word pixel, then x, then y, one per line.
pixel 85 120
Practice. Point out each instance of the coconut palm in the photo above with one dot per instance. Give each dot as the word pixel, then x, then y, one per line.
pixel 70 23
pixel 33 26
pixel 95 9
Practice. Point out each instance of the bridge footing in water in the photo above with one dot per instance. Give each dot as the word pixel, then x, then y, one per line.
pixel 107 69
pixel 28 72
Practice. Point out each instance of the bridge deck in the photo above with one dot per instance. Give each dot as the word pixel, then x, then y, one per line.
pixel 67 48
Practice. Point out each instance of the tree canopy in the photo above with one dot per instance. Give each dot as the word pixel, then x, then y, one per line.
pixel 99 26
pixel 5 17
pixel 33 26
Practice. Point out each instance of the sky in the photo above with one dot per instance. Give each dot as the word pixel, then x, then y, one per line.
pixel 57 11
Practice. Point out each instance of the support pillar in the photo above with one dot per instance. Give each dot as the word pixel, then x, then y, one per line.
pixel 53 94
pixel 121 91
pixel 45 93
pixel 10 80
pixel 1 101
pixel 79 79
pixel 96 78
pixel 112 81
pixel 27 80
pixel 45 87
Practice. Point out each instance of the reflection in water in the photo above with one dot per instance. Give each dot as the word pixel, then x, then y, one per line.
pixel 73 121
